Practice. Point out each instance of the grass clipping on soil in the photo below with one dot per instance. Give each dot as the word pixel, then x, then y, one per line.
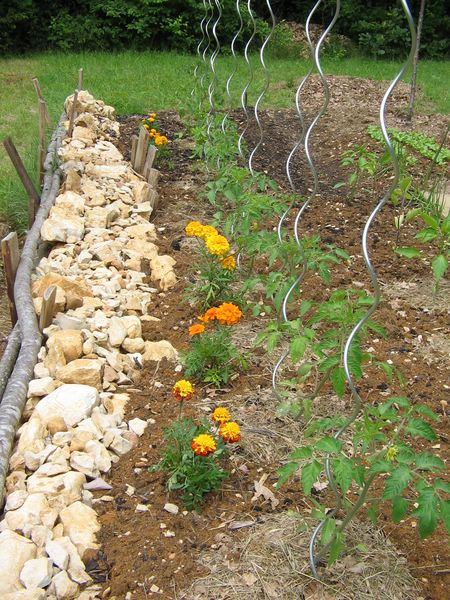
pixel 271 561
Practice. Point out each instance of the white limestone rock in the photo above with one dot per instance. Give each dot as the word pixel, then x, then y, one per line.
pixel 156 351
pixel 80 524
pixel 63 587
pixel 117 331
pixel 34 511
pixel 15 551
pixel 36 573
pixel 71 402
pixel 137 426
pixel 41 387
pixel 86 371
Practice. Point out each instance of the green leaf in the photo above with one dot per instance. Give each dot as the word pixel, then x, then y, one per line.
pixel 300 453
pixel 427 512
pixel 298 347
pixel 419 428
pixel 328 531
pixel 399 509
pixel 329 444
pixel 338 381
pixel 439 484
pixel 426 235
pixel 285 473
pixel 439 265
pixel 372 513
pixel 407 252
pixel 338 185
pixel 427 412
pixel 428 462
pixel 445 514
pixel 355 359
pixel 336 548
pixel 381 466
pixel 309 476
pixel 429 220
pixel 343 473
pixel 396 482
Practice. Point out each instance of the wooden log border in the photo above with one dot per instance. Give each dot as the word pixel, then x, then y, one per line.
pixel 15 394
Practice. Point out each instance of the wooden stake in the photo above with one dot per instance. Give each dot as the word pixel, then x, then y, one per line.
pixel 73 113
pixel 48 307
pixel 41 149
pixel 134 140
pixel 33 196
pixel 149 160
pixel 80 79
pixel 153 178
pixel 41 97
pixel 141 150
pixel 11 257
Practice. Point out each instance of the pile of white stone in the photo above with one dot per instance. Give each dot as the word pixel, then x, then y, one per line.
pixel 102 242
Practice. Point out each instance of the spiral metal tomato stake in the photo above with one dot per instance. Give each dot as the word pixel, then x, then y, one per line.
pixel 235 64
pixel 315 54
pixel 212 61
pixel 313 557
pixel 199 82
pixel 210 12
pixel 264 90
pixel 250 79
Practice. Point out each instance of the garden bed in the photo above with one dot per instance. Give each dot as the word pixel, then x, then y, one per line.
pixel 171 552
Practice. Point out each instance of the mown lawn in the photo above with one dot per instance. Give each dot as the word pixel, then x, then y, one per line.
pixel 137 82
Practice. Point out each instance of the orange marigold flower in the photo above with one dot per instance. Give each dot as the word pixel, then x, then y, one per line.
pixel 207 231
pixel 196 329
pixel 151 119
pixel 183 390
pixel 228 314
pixel 230 432
pixel 194 229
pixel 229 263
pixel 221 415
pixel 209 315
pixel 160 140
pixel 217 244
pixel 203 444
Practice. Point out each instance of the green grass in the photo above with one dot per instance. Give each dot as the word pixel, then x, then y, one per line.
pixel 137 82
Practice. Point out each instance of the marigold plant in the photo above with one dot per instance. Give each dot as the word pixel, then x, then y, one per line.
pixel 229 263
pixel 196 329
pixel 217 245
pixel 221 415
pixel 230 432
pixel 228 314
pixel 204 444
pixel 193 453
pixel 183 390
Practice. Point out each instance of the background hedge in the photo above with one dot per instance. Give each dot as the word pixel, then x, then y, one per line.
pixel 376 26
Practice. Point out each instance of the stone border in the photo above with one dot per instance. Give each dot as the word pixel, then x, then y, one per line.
pixel 101 235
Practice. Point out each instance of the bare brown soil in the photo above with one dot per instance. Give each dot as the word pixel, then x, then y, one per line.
pixel 138 553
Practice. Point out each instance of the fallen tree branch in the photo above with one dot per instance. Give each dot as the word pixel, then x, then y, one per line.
pixel 15 395
pixel 9 357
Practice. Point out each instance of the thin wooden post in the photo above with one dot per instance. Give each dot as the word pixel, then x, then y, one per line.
pixel 33 196
pixel 149 160
pixel 134 140
pixel 48 307
pixel 41 149
pixel 37 87
pixel 80 79
pixel 72 114
pixel 141 150
pixel 11 257
pixel 153 178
